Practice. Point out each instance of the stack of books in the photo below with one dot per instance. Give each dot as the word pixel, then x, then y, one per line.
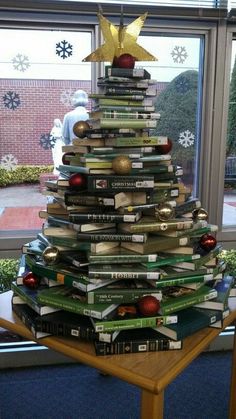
pixel 126 257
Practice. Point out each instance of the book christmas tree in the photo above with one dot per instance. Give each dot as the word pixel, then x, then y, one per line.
pixel 126 257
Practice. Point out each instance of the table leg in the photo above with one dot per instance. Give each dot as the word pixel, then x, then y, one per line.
pixel 232 403
pixel 152 405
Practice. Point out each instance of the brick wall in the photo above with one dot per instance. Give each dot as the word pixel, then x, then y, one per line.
pixel 40 104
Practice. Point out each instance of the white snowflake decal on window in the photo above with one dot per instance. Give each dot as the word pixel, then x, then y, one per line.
pixel 179 54
pixel 8 162
pixel 186 138
pixel 66 97
pixel 21 62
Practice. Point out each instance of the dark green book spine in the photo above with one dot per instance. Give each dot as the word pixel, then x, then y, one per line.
pixel 130 347
pixel 119 183
pixel 103 237
pixel 161 283
pixel 118 296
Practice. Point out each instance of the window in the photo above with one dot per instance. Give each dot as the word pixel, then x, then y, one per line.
pixel 39 72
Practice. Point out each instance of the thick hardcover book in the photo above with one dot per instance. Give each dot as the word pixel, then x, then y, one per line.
pixel 112 237
pixel 69 299
pixel 35 247
pixel 190 321
pixel 151 224
pixel 135 271
pixel 197 263
pixel 163 260
pixel 122 90
pixel 119 255
pixel 132 341
pixel 156 244
pixel 139 73
pixel 125 115
pixel 120 183
pixel 69 224
pixel 220 302
pixel 186 207
pixel 29 317
pixel 64 274
pixel 124 122
pixel 125 108
pixel 179 281
pixel 112 200
pixel 123 320
pixel 136 141
pixel 177 298
pixel 105 217
pixel 24 295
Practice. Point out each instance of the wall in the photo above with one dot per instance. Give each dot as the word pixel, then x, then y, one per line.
pixel 38 103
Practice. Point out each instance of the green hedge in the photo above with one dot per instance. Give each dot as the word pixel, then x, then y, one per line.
pixel 23 174
pixel 229 256
pixel 8 272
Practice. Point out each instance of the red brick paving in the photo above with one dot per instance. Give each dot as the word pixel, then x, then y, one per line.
pixel 21 218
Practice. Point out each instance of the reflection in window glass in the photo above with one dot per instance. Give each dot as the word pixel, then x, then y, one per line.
pixel 229 208
pixel 178 73
pixel 39 72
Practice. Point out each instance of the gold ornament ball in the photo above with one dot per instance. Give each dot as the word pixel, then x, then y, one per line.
pixel 121 165
pixel 79 128
pixel 200 214
pixel 164 212
pixel 51 255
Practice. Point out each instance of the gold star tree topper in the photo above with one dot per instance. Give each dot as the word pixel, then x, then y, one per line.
pixel 120 40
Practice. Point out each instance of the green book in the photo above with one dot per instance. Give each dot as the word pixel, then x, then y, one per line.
pixel 124 123
pixel 119 255
pixel 136 73
pixel 176 298
pixel 156 244
pixel 151 224
pixel 64 274
pixel 70 299
pixel 180 280
pixel 136 141
pixel 25 295
pixel 119 183
pixel 125 272
pixel 200 261
pixel 190 320
pixel 123 322
pixel 122 292
pixel 167 260
pixel 220 302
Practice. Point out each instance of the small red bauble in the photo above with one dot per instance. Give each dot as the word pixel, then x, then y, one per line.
pixel 164 148
pixel 207 242
pixel 65 156
pixel 148 305
pixel 77 181
pixel 125 61
pixel 31 281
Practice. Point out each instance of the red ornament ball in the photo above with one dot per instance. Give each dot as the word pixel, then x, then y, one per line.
pixel 31 281
pixel 125 61
pixel 77 180
pixel 65 156
pixel 164 148
pixel 207 242
pixel 148 305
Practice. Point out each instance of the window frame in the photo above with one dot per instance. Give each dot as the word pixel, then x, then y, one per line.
pixel 213 30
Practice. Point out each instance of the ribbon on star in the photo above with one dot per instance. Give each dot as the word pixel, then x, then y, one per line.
pixel 120 40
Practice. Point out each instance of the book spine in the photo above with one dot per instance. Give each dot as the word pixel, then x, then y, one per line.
pixel 103 218
pixel 162 283
pixel 110 325
pixel 127 72
pixel 120 297
pixel 96 237
pixel 165 260
pixel 127 123
pixel 136 141
pixel 187 206
pixel 129 258
pixel 129 115
pixel 65 305
pixel 88 200
pixel 59 328
pixel 115 274
pixel 155 226
pixel 126 108
pixel 153 345
pixel 177 305
pixel 119 183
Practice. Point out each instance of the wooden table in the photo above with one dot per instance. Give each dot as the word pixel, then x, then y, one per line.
pixel 152 372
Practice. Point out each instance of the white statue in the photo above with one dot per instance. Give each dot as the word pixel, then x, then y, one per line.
pixel 56 133
pixel 79 101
